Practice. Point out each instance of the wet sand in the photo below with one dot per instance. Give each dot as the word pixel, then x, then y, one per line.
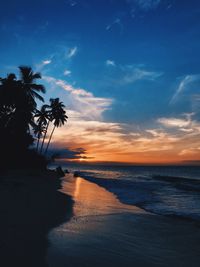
pixel 30 206
pixel 104 232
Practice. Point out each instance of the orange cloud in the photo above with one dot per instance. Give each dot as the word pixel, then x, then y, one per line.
pixel 172 140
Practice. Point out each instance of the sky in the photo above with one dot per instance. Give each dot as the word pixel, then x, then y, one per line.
pixel 128 72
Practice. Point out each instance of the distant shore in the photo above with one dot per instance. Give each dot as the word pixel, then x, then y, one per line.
pixel 30 206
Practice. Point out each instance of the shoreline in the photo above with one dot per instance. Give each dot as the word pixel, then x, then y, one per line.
pixel 105 232
pixel 46 225
pixel 30 206
pixel 105 183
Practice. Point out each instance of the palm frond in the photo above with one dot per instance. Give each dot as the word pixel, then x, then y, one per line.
pixel 38 87
pixel 36 95
pixel 37 75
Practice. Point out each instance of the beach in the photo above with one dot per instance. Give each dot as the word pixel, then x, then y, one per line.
pixel 100 133
pixel 105 232
pixel 75 222
pixel 30 206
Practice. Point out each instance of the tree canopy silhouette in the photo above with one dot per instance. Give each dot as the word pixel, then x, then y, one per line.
pixel 21 122
pixel 57 115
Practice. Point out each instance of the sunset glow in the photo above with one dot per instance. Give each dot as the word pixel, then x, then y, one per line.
pixel 132 94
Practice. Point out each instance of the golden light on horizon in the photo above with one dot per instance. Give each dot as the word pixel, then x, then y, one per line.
pixel 116 142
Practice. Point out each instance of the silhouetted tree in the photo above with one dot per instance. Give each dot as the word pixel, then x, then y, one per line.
pixel 29 87
pixel 17 109
pixel 57 115
pixel 8 95
pixel 43 117
pixel 21 121
pixel 30 91
pixel 38 130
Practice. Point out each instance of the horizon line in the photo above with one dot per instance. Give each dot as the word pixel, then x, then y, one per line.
pixel 85 162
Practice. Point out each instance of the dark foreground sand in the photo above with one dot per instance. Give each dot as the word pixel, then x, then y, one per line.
pixel 105 233
pixel 30 206
pixel 95 230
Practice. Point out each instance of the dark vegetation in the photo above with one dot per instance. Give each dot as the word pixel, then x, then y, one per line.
pixel 24 126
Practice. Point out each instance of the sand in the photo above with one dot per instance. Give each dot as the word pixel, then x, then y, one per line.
pixel 85 225
pixel 104 233
pixel 30 206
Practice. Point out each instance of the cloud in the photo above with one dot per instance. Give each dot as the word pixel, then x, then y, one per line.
pixel 43 64
pixel 185 84
pixel 67 72
pixel 72 3
pixel 129 74
pixel 144 5
pixel 186 124
pixel 148 4
pixel 86 128
pixel 155 132
pixel 67 153
pixel 190 151
pixel 46 62
pixel 110 63
pixel 116 141
pixel 133 74
pixel 72 52
pixel 117 22
pixel 174 122
pixel 119 142
pixel 81 100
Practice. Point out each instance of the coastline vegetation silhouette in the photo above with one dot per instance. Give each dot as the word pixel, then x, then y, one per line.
pixel 22 124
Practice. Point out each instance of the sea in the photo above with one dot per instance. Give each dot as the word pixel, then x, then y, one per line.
pixel 164 190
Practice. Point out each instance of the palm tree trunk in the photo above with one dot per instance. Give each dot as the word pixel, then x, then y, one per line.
pixel 50 139
pixel 38 141
pixel 44 137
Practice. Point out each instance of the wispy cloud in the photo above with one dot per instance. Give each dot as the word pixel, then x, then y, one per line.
pixel 40 66
pixel 72 52
pixel 72 3
pixel 170 139
pixel 133 74
pixel 185 124
pixel 111 141
pixel 128 74
pixel 46 62
pixel 110 63
pixel 117 22
pixel 67 72
pixel 144 5
pixel 81 100
pixel 174 122
pixel 185 84
pixel 115 141
pixel 190 151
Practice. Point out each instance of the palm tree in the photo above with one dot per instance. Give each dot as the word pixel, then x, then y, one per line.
pixel 52 106
pixel 25 99
pixel 8 93
pixel 29 88
pixel 42 116
pixel 19 95
pixel 38 130
pixel 18 105
pixel 58 115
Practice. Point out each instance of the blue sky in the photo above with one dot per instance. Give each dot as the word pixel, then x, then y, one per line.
pixel 128 64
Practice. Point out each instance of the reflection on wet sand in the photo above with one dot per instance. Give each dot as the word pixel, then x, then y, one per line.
pixel 90 199
pixel 105 233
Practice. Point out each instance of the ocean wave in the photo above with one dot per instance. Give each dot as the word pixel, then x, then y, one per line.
pixel 164 195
